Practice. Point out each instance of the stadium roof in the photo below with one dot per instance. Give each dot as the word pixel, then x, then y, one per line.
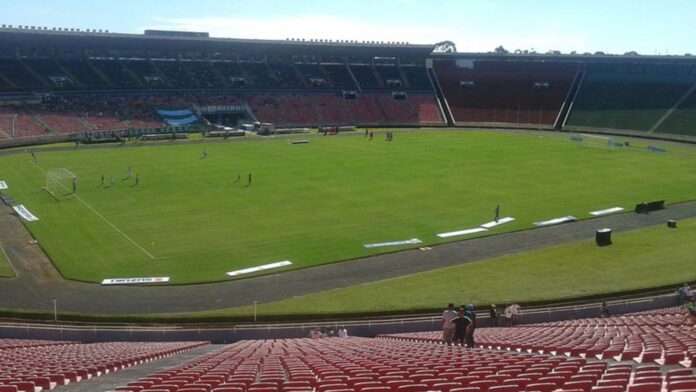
pixel 608 58
pixel 40 37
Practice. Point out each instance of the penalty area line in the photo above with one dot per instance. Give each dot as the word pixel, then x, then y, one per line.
pixel 102 217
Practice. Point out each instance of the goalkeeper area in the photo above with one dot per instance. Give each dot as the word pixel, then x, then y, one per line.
pixel 194 220
pixel 60 183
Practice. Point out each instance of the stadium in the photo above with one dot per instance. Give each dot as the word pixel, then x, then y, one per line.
pixel 184 212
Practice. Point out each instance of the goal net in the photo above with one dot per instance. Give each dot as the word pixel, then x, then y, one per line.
pixel 60 182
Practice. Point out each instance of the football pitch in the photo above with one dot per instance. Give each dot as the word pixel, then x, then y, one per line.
pixel 191 220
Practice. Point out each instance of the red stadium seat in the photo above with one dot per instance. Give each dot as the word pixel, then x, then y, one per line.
pixel 648 387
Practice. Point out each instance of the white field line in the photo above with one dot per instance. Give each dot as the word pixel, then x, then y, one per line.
pixel 106 220
pixel 7 257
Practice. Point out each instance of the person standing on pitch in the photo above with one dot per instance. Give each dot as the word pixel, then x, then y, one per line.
pixel 249 183
pixel 205 152
pixel 74 184
pixel 33 156
pixel 102 180
pixel 239 177
pixel 137 178
pixel 497 212
pixel 112 180
pixel 130 172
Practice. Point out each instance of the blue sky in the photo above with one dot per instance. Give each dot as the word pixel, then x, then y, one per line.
pixel 613 26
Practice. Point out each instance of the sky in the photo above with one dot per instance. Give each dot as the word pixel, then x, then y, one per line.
pixel 612 26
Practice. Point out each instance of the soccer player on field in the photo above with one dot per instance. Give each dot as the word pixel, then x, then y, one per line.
pixel 205 152
pixel 497 212
pixel 74 184
pixel 130 172
pixel 102 180
pixel 137 178
pixel 239 177
pixel 111 180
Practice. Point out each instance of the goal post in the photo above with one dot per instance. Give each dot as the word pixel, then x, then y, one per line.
pixel 59 183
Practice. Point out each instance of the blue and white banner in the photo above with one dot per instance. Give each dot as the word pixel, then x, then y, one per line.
pixel 114 281
pixel 259 268
pixel 412 241
pixel 3 185
pixel 24 213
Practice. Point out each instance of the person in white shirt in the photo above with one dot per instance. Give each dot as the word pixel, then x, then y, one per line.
pixel 447 326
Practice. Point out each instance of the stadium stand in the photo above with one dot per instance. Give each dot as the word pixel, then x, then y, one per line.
pixel 655 336
pixel 506 92
pixel 17 122
pixel 17 75
pixel 366 76
pixel 319 83
pixel 384 365
pixel 629 96
pixel 683 119
pixel 416 77
pixel 44 365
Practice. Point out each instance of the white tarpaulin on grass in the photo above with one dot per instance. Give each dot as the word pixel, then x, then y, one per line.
pixel 499 222
pixel 412 241
pixel 556 221
pixel 24 213
pixel 461 232
pixel 259 268
pixel 159 279
pixel 3 185
pixel 607 211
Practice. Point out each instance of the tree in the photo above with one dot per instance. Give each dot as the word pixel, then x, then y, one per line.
pixel 445 47
pixel 599 53
pixel 573 52
pixel 500 50
pixel 554 52
pixel 631 53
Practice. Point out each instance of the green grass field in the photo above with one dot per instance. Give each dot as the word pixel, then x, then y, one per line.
pixel 652 257
pixel 320 202
pixel 5 268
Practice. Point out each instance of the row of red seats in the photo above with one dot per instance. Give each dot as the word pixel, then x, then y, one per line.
pixel 662 337
pixel 47 366
pixel 381 365
pixel 330 109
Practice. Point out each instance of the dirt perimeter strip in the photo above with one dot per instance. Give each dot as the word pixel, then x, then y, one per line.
pixel 38 283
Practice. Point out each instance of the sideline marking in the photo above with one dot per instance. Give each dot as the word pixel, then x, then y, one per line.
pixel 106 220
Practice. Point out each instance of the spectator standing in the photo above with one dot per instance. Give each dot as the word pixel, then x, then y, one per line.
pixel 516 314
pixel 469 332
pixel 690 308
pixel 461 325
pixel 684 293
pixel 604 310
pixel 343 333
pixel 507 313
pixel 447 326
pixel 494 315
